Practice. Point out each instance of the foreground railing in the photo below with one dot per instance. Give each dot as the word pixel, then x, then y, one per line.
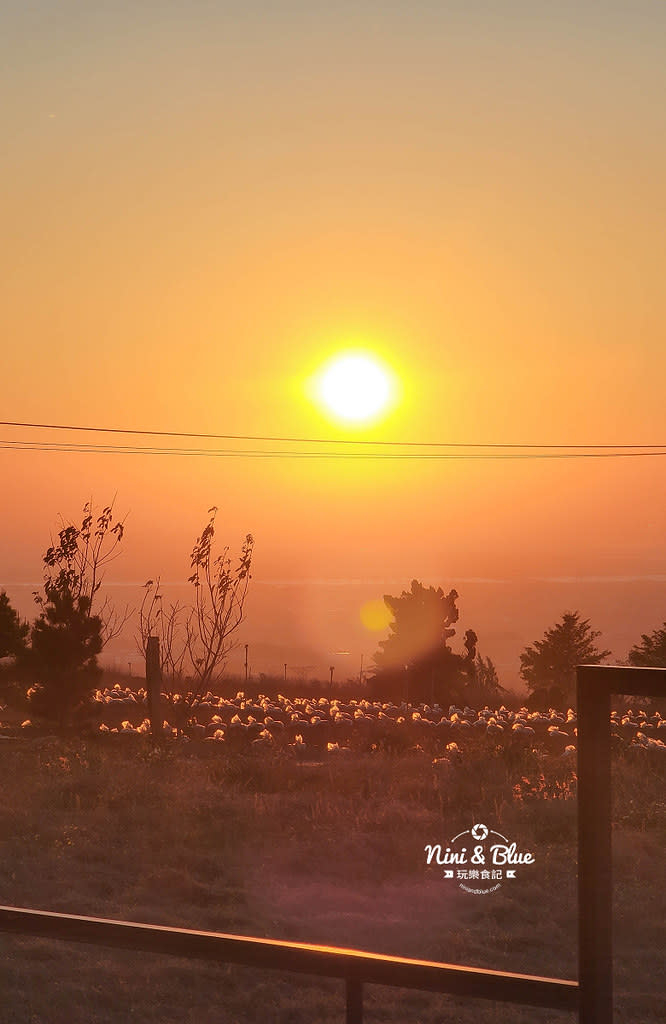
pixel 354 967
pixel 592 996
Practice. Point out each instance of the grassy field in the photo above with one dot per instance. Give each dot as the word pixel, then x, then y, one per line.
pixel 331 852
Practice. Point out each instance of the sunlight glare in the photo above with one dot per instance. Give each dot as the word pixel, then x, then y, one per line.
pixel 355 387
pixel 376 615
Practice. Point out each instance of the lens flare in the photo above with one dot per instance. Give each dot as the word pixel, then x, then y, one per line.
pixel 376 616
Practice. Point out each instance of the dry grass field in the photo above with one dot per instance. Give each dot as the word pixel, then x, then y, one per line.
pixel 330 852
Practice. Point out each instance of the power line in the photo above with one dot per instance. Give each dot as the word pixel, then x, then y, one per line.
pixel 108 449
pixel 327 440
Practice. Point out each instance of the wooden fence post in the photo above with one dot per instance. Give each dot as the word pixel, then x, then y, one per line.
pixel 154 686
pixel 354 988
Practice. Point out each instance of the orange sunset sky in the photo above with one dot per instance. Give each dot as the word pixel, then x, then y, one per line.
pixel 203 202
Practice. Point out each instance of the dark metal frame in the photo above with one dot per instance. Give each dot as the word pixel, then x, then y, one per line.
pixel 595 685
pixel 592 995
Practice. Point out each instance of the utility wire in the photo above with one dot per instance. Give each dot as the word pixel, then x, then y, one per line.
pixel 327 440
pixel 101 449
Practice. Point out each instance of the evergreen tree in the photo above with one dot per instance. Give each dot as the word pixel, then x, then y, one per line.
pixel 550 664
pixel 651 652
pixel 13 632
pixel 415 662
pixel 65 642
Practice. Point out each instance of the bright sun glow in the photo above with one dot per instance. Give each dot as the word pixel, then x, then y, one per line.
pixel 376 615
pixel 355 387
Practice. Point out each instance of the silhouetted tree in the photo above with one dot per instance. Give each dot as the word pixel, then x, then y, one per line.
pixel 13 632
pixel 65 642
pixel 550 664
pixel 651 652
pixel 486 687
pixel 415 662
pixel 218 610
pixel 69 633
pixel 164 623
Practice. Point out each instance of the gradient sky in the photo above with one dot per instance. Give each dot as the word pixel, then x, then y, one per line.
pixel 203 200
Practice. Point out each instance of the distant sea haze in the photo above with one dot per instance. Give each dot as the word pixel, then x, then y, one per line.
pixel 383 581
pixel 306 623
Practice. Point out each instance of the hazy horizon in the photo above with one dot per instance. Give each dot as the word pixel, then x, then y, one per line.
pixel 290 622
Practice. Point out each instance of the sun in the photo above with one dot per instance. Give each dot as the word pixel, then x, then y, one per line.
pixel 355 387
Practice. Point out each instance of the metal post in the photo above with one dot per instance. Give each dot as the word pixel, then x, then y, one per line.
pixel 154 685
pixel 246 646
pixel 595 884
pixel 354 1001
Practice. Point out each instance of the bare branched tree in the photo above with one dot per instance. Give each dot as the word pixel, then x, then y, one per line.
pixel 165 623
pixel 218 611
pixel 76 563
pixel 73 626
